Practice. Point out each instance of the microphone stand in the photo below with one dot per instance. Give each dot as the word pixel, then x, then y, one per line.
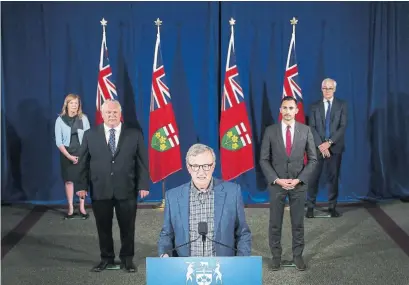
pixel 169 251
pixel 203 241
pixel 234 249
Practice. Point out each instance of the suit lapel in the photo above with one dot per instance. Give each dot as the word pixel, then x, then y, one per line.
pixel 322 112
pixel 183 201
pixel 279 136
pixel 334 108
pixel 120 139
pixel 219 199
pixel 101 133
pixel 297 138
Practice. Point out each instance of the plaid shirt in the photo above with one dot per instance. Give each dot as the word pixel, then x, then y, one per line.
pixel 201 209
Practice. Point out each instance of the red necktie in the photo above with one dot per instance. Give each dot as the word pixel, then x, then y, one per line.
pixel 288 141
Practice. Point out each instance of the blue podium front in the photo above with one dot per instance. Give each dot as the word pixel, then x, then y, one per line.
pixel 204 270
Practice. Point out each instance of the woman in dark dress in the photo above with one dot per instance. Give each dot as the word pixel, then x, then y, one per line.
pixel 69 131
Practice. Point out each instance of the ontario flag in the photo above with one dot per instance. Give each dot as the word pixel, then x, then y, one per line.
pixel 106 90
pixel 164 148
pixel 291 87
pixel 236 142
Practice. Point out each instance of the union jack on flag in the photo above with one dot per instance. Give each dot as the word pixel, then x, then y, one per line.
pixel 160 91
pixel 106 90
pixel 291 87
pixel 233 93
pixel 236 148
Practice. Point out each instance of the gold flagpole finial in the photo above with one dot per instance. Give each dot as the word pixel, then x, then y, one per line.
pixel 294 21
pixel 158 22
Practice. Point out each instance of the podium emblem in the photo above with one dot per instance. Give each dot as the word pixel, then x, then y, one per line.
pixel 203 273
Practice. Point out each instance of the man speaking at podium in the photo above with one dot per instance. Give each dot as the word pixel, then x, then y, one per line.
pixel 204 217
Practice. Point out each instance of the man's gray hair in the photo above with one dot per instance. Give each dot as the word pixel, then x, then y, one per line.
pixel 329 79
pixel 199 148
pixel 108 101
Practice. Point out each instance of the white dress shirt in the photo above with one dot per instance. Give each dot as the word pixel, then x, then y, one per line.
pixel 117 133
pixel 326 104
pixel 284 131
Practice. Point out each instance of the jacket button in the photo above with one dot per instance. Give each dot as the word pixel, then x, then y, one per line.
pixel 112 173
pixel 113 161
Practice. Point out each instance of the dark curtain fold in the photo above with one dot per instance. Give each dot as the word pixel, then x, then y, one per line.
pixel 4 160
pixel 52 49
pixel 388 98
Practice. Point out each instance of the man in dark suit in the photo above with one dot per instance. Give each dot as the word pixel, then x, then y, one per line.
pixel 114 159
pixel 282 162
pixel 328 121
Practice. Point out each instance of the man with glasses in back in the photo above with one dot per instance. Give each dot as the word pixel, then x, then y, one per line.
pixel 204 200
pixel 328 121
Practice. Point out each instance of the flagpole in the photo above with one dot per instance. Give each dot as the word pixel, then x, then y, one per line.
pixel 162 204
pixel 293 22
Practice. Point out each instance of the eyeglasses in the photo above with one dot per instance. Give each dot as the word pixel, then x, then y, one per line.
pixel 330 88
pixel 205 167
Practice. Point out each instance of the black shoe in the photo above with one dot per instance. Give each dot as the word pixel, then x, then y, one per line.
pixel 84 216
pixel 299 263
pixel 334 213
pixel 69 217
pixel 310 213
pixel 103 265
pixel 275 264
pixel 128 265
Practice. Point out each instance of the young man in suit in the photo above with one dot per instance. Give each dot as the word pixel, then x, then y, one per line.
pixel 114 160
pixel 328 121
pixel 204 199
pixel 282 162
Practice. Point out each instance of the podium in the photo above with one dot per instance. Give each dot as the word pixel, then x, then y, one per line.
pixel 204 270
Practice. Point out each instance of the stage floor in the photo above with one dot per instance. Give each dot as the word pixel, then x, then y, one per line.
pixel 367 245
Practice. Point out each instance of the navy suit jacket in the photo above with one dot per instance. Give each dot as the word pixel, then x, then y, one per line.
pixel 230 226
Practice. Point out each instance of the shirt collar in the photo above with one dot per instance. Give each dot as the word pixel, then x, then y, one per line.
pixel 117 128
pixel 325 100
pixel 284 125
pixel 194 188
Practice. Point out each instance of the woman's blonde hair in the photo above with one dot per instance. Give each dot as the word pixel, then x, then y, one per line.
pixel 67 100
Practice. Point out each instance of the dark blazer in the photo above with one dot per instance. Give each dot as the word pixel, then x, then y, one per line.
pixel 274 161
pixel 120 176
pixel 230 226
pixel 337 126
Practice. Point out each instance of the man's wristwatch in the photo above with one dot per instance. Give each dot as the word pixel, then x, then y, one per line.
pixel 330 142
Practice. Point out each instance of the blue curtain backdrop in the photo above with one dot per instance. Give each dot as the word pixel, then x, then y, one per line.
pixel 52 49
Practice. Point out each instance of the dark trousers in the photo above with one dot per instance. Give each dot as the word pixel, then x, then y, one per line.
pixel 332 166
pixel 126 213
pixel 277 202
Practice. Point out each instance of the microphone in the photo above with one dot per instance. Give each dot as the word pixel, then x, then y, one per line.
pixel 203 231
pixel 189 242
